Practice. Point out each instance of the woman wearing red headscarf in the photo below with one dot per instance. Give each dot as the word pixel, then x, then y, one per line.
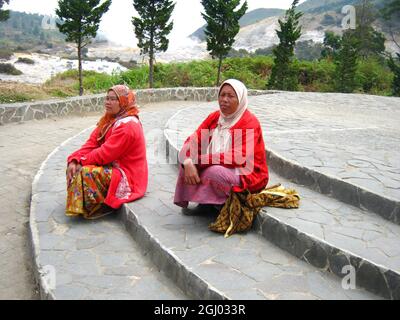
pixel 111 167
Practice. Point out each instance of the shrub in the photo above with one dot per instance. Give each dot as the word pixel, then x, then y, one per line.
pixel 373 77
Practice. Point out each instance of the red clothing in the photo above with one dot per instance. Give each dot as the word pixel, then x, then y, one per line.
pixel 124 147
pixel 258 178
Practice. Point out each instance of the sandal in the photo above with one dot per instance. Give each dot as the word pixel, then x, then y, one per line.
pixel 103 211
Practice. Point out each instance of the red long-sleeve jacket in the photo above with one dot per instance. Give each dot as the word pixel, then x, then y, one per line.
pixel 247 152
pixel 125 149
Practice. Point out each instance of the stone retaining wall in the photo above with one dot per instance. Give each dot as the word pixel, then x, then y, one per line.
pixel 18 112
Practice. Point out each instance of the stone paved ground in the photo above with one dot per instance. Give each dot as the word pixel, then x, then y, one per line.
pixel 23 147
pixel 352 137
pixel 359 143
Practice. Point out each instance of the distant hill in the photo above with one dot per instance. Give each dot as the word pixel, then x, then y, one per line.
pixel 24 31
pixel 321 6
pixel 248 19
pixel 319 16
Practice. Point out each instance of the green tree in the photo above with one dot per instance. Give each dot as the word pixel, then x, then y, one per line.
pixel 346 61
pixel 80 20
pixel 395 67
pixel 371 42
pixel 222 27
pixel 4 14
pixel 331 45
pixel 391 13
pixel 308 50
pixel 152 28
pixel 283 76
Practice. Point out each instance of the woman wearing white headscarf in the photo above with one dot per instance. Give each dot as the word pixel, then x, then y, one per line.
pixel 226 152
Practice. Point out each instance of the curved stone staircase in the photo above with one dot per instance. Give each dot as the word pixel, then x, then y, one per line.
pixel 151 251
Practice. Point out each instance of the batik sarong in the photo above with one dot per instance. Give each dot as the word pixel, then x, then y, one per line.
pixel 87 191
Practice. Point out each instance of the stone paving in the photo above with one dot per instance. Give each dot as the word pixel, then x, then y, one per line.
pixel 334 225
pixel 95 260
pixel 363 129
pixel 92 260
pixel 352 137
pixel 244 266
pixel 23 147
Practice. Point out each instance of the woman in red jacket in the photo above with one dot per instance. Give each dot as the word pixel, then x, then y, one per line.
pixel 111 167
pixel 226 152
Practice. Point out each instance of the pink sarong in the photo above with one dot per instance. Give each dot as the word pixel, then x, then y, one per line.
pixel 216 184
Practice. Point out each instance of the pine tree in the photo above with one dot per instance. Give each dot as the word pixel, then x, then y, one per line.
pixel 4 14
pixel 283 76
pixel 222 27
pixel 152 28
pixel 395 67
pixel 80 20
pixel 391 13
pixel 370 41
pixel 346 62
pixel 331 45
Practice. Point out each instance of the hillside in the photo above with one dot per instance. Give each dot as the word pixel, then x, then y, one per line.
pixel 29 32
pixel 319 16
pixel 248 19
pixel 25 32
pixel 322 6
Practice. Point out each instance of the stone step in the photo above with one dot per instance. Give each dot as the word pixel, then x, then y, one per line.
pixel 77 259
pixel 193 261
pixel 325 232
pixel 335 144
pixel 206 265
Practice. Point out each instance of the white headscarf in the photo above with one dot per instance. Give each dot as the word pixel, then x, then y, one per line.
pixel 221 136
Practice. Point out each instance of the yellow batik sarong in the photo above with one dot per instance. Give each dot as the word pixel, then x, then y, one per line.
pixel 87 191
pixel 240 209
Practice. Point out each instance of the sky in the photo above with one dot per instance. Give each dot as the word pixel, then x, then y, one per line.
pixel 116 23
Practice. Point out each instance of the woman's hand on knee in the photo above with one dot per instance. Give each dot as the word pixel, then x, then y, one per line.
pixel 191 173
pixel 72 170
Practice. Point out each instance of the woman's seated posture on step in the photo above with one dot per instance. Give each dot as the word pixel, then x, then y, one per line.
pixel 111 167
pixel 226 152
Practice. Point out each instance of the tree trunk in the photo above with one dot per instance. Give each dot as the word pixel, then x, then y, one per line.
pixel 80 68
pixel 151 62
pixel 151 73
pixel 219 71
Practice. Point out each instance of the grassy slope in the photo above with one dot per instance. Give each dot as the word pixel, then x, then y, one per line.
pixel 373 78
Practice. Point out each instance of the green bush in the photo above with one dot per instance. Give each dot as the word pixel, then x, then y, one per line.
pixel 13 98
pixel 373 76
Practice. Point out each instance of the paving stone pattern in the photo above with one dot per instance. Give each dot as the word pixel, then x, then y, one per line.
pixel 337 226
pixel 23 147
pixel 244 266
pixel 363 129
pixel 91 260
pixel 353 137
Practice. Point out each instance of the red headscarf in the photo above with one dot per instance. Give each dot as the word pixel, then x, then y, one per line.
pixel 127 102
